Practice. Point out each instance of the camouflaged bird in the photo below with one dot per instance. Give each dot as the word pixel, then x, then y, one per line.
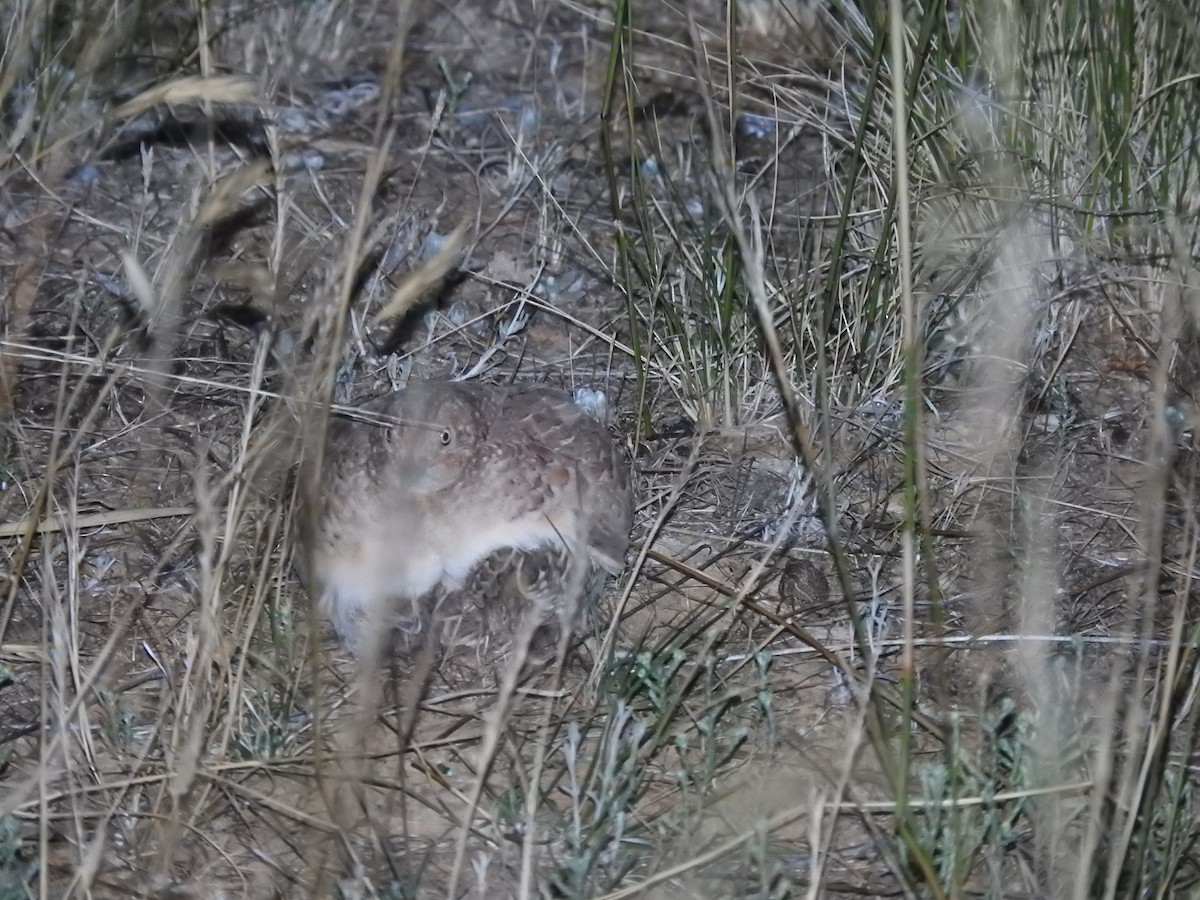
pixel 461 508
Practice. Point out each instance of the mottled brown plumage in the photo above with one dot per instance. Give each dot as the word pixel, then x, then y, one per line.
pixel 462 507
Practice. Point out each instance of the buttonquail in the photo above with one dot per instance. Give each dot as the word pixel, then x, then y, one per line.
pixel 458 508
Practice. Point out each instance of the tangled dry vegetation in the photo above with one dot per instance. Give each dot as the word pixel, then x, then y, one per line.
pixel 910 608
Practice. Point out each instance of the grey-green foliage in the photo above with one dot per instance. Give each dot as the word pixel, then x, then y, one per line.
pixel 673 721
pixel 1171 837
pixel 970 817
pixel 603 796
pixel 18 866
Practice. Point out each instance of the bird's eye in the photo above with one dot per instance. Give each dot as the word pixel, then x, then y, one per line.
pixel 445 437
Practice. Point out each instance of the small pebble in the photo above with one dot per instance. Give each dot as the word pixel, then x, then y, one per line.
pixel 755 126
pixel 110 284
pixel 340 103
pixel 592 402
pixel 308 159
pixel 86 175
pixel 294 120
pixel 432 244
pixel 396 254
pixel 528 118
